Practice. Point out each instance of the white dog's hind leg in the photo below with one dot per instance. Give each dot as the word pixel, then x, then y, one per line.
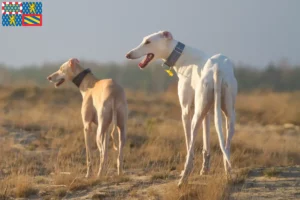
pixel 230 121
pixel 203 102
pixel 228 108
pixel 206 145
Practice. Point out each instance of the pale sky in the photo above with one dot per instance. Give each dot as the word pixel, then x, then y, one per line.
pixel 254 32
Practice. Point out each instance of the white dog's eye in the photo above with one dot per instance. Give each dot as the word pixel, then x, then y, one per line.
pixel 147 42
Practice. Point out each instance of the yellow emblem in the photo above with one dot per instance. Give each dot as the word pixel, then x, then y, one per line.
pixel 32 8
pixel 12 20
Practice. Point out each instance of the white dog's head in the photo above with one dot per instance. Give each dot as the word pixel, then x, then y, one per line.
pixel 68 71
pixel 154 46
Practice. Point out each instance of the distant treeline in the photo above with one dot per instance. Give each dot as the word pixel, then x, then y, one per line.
pixel 154 79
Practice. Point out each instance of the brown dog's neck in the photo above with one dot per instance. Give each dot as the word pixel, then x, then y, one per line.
pixel 88 82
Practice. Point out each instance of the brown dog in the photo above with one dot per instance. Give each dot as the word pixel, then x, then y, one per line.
pixel 103 101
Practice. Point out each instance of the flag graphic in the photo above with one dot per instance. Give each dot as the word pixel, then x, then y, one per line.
pixel 32 7
pixel 11 8
pixel 11 20
pixel 32 20
pixel 22 14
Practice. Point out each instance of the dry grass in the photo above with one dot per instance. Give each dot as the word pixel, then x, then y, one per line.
pixel 215 188
pixel 18 186
pixel 269 107
pixel 24 187
pixel 160 176
pixel 41 135
pixel 271 172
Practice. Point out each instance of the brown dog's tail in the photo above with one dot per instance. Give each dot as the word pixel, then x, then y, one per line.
pixel 114 124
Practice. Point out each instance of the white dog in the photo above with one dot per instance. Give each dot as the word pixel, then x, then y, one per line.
pixel 204 81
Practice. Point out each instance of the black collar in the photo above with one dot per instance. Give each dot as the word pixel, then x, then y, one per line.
pixel 78 79
pixel 174 56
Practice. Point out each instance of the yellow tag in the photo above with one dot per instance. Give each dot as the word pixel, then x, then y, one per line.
pixel 169 72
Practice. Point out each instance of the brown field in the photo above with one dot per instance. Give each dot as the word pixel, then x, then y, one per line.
pixel 42 152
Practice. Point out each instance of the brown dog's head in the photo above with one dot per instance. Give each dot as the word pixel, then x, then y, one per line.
pixel 67 71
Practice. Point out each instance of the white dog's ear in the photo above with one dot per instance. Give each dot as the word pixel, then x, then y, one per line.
pixel 167 34
pixel 72 63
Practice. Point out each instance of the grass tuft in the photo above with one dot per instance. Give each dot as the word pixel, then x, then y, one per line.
pixel 271 172
pixel 24 187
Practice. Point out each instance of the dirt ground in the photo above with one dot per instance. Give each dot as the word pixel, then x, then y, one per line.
pixel 257 186
pixel 282 185
pixel 276 183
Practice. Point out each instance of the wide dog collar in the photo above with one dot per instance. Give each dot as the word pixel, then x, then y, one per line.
pixel 78 79
pixel 172 59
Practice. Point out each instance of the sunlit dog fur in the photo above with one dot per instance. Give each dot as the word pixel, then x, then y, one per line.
pixel 103 101
pixel 205 81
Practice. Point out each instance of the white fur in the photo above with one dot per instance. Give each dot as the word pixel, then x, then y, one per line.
pixel 205 81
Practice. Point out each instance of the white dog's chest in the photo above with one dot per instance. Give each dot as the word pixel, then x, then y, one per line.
pixel 196 75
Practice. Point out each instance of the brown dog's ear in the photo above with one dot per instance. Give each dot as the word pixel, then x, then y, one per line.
pixel 167 34
pixel 72 63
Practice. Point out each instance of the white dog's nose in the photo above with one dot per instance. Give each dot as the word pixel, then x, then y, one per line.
pixel 49 78
pixel 128 56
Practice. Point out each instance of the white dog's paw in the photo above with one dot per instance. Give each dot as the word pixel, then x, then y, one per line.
pixel 182 182
pixel 181 174
pixel 88 175
pixel 204 171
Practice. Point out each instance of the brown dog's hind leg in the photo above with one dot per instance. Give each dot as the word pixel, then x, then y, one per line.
pixel 121 124
pixel 104 119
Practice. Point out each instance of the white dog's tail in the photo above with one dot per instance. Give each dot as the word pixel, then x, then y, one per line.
pixel 114 124
pixel 218 114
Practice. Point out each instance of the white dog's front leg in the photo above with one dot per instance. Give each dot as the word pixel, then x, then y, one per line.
pixel 186 96
pixel 186 121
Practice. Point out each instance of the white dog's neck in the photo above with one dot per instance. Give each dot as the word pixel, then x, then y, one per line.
pixel 189 57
